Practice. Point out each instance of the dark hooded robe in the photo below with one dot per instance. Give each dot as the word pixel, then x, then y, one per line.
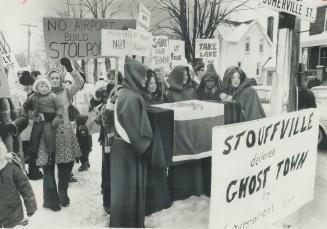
pixel 177 91
pixel 134 136
pixel 184 178
pixel 244 94
pixel 205 93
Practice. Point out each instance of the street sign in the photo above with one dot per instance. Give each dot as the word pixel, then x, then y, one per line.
pixel 296 8
pixel 78 38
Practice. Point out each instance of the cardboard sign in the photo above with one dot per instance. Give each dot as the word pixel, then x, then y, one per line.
pixel 144 17
pixel 116 43
pixel 297 8
pixel 7 57
pixel 142 42
pixel 160 52
pixel 4 86
pixel 78 38
pixel 263 170
pixel 177 53
pixel 207 49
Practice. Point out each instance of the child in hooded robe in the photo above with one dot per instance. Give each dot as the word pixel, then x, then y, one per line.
pixel 210 86
pixel 13 184
pixel 237 88
pixel 48 111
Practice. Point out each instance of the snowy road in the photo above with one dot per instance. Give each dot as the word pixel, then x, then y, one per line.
pixel 86 203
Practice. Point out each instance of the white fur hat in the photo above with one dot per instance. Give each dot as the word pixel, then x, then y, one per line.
pixel 39 79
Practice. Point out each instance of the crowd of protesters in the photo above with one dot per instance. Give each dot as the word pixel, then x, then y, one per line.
pixel 48 137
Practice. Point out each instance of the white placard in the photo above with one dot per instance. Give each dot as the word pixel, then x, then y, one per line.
pixel 177 53
pixel 263 170
pixel 144 17
pixel 116 43
pixel 207 49
pixel 160 52
pixel 4 86
pixel 142 42
pixel 297 8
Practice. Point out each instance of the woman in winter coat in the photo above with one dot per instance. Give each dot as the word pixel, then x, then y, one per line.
pixel 238 88
pixel 67 148
pixel 13 184
pixel 153 89
pixel 184 179
pixel 210 86
pixel 133 138
pixel 180 85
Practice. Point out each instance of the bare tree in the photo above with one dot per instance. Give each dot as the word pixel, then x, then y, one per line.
pixel 192 19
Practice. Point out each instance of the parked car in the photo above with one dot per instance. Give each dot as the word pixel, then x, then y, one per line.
pixel 320 93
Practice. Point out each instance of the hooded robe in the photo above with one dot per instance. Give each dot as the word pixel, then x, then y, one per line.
pixel 128 168
pixel 244 94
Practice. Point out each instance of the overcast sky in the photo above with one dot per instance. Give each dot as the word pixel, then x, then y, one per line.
pixel 15 12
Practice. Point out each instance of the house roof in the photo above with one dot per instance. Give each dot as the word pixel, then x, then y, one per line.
pixel 234 31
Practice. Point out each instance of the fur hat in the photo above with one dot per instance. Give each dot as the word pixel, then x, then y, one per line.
pixel 40 79
pixel 26 78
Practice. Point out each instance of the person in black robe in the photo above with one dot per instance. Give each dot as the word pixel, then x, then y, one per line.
pixel 185 178
pixel 133 138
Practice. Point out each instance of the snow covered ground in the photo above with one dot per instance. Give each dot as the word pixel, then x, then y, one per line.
pixel 86 204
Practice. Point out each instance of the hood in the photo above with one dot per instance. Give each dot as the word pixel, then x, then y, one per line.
pixel 135 73
pixel 175 78
pixel 228 88
pixel 43 79
pixel 210 73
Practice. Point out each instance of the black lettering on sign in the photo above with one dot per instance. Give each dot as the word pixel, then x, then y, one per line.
pixel 60 24
pixel 290 164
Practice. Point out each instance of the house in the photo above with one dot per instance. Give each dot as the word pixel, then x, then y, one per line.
pixel 314 45
pixel 247 45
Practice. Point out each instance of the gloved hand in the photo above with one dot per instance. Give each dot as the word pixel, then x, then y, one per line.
pixel 38 117
pixel 29 214
pixel 66 62
pixel 77 159
pixel 55 122
pixel 101 92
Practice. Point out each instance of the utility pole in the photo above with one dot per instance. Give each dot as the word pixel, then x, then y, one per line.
pixel 29 41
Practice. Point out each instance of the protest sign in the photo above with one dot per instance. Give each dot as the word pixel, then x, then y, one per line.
pixel 116 43
pixel 4 86
pixel 263 170
pixel 7 57
pixel 78 38
pixel 160 52
pixel 177 53
pixel 207 49
pixel 297 8
pixel 144 17
pixel 141 42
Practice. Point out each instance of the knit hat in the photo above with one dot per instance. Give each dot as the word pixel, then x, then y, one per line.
pixel 26 79
pixel 40 79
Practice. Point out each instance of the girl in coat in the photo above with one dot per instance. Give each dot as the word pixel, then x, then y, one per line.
pixel 153 89
pixel 238 88
pixel 67 148
pixel 13 184
pixel 184 179
pixel 134 136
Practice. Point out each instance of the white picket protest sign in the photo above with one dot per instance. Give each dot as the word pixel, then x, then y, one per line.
pixel 296 8
pixel 4 86
pixel 160 52
pixel 142 42
pixel 177 52
pixel 263 170
pixel 116 43
pixel 207 49
pixel 8 58
pixel 144 17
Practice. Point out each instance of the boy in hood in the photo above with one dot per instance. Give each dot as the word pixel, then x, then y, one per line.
pixel 48 111
pixel 13 183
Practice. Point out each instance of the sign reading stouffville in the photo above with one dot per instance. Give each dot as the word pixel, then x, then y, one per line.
pixel 297 8
pixel 263 170
pixel 160 51
pixel 207 49
pixel 4 86
pixel 78 38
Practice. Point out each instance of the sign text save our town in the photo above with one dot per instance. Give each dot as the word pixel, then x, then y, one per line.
pixel 263 164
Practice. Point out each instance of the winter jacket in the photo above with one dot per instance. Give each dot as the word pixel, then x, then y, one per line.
pixel 13 183
pixel 177 91
pixel 210 94
pixel 245 95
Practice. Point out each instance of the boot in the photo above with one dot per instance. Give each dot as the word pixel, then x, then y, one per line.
pixel 83 167
pixel 33 171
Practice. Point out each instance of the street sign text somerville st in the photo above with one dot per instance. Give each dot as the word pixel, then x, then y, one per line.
pixel 297 8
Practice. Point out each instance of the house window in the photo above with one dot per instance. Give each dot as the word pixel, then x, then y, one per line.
pixel 323 56
pixel 258 68
pixel 261 45
pixel 247 44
